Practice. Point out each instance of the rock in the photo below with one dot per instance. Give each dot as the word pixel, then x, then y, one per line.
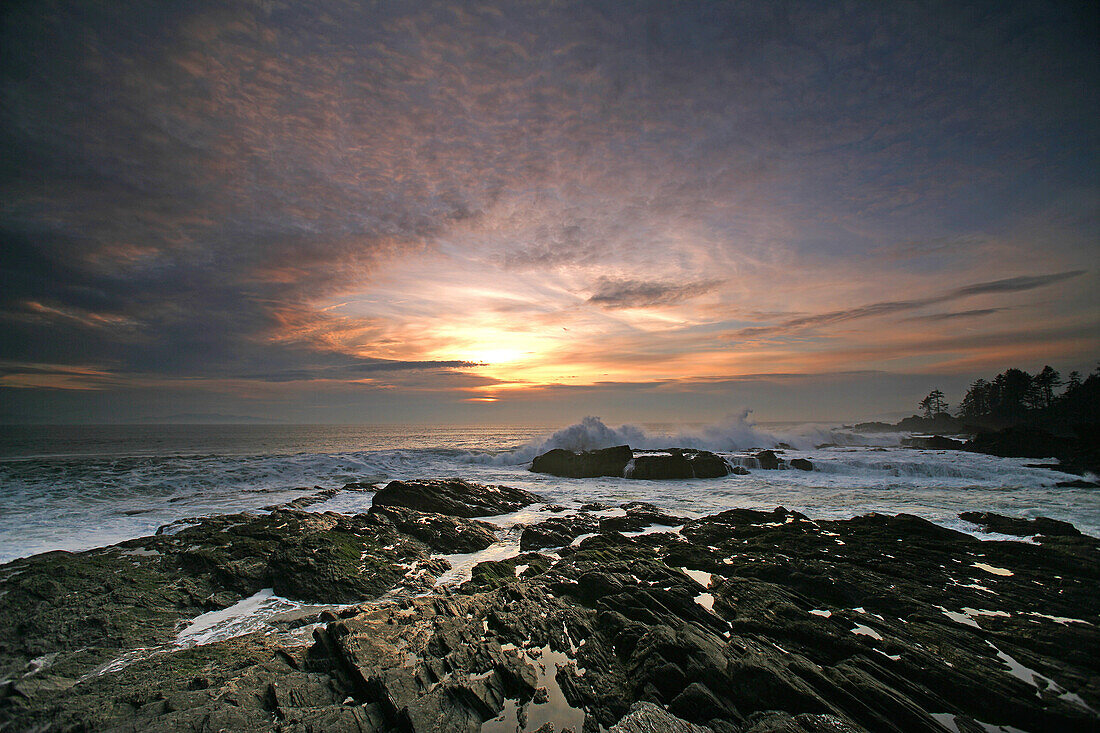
pixel 583 464
pixel 802 464
pixel 621 461
pixel 454 497
pixel 768 460
pixel 676 463
pixel 739 471
pixel 1021 527
pixel 645 717
pixel 441 533
pixel 1019 441
pixel 1077 484
pixel 557 531
pixel 639 516
pixel 936 442
pixel 746 620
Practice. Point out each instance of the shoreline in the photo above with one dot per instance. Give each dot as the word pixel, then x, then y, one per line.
pixel 742 620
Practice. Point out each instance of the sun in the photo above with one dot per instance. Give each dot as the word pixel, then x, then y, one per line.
pixel 496 355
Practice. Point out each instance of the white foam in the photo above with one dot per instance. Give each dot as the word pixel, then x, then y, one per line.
pixel 243 617
pixel 863 630
pixel 706 600
pixel 699 576
pixel 992 569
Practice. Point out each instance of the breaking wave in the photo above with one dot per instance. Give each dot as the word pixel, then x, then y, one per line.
pixel 733 433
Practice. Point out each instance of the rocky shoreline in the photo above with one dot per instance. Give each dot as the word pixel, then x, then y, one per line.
pixel 592 618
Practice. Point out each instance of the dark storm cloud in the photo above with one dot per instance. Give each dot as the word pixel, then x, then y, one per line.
pixel 625 293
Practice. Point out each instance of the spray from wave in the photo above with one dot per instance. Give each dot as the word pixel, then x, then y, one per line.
pixel 733 433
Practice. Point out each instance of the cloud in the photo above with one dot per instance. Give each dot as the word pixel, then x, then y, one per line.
pixel 1015 284
pixel 625 293
pixel 186 187
pixel 938 317
pixel 1006 285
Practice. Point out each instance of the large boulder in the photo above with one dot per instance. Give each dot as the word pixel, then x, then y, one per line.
pixel 677 463
pixel 584 464
pixel 622 461
pixel 768 460
pixel 455 497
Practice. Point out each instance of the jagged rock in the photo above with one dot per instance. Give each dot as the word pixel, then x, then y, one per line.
pixel 768 460
pixel 802 464
pixel 742 621
pixel 639 516
pixel 440 532
pixel 557 531
pixel 583 464
pixel 645 717
pixel 454 497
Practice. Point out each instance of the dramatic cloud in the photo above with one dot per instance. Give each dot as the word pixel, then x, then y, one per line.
pixel 332 205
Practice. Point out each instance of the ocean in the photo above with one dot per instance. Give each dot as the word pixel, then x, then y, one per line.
pixel 78 487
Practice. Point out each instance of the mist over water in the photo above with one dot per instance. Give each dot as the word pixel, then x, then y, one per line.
pixel 78 487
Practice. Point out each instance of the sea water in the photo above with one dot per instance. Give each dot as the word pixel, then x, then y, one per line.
pixel 78 487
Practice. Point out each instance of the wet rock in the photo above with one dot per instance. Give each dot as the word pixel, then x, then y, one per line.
pixel 442 533
pixel 557 531
pixel 742 621
pixel 676 463
pixel 454 497
pixel 583 464
pixel 802 464
pixel 1021 527
pixel 739 471
pixel 639 515
pixel 622 461
pixel 645 717
pixel 768 460
pixel 1078 484
pixel 936 442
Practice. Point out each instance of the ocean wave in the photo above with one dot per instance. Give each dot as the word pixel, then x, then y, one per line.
pixel 733 433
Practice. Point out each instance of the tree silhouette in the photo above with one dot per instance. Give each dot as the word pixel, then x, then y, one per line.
pixel 1046 382
pixel 933 404
pixel 978 401
pixel 1073 383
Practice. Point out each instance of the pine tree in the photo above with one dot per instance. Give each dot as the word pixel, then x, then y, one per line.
pixel 933 404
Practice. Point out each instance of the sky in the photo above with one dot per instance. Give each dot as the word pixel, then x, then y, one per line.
pixel 528 212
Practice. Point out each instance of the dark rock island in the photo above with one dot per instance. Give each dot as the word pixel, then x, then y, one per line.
pixel 617 619
pixel 624 462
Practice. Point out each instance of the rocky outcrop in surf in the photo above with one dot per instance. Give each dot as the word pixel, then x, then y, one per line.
pixel 453 496
pixel 623 462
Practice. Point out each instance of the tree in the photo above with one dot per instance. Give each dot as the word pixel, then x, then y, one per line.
pixel 933 404
pixel 1073 384
pixel 1013 392
pixel 1046 382
pixel 978 401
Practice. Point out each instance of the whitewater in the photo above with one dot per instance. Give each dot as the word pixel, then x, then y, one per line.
pixel 77 487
